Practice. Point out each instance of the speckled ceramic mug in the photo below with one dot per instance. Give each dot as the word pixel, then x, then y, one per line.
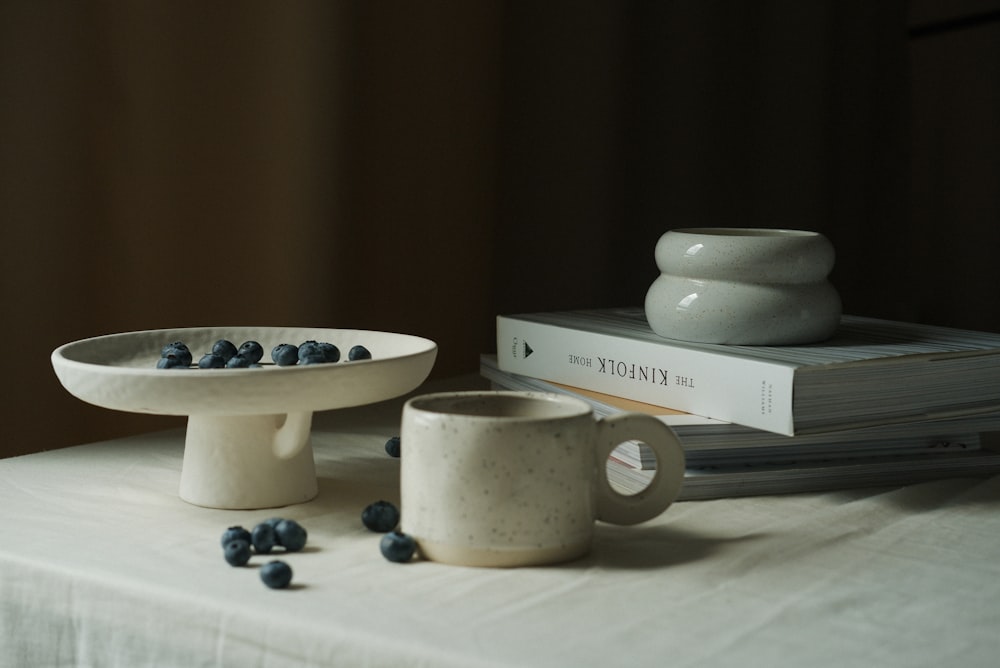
pixel 518 478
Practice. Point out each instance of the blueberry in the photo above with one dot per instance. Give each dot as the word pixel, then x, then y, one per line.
pixel 358 353
pixel 171 346
pixel 264 538
pixel 285 354
pixel 276 574
pixel 310 347
pixel 212 361
pixel 313 358
pixel 238 362
pixel 380 516
pixel 291 535
pixel 311 352
pixel 235 533
pixel 237 552
pixel 398 546
pixel 224 348
pixel 330 351
pixel 178 351
pixel 252 351
pixel 174 345
pixel 170 362
pixel 392 446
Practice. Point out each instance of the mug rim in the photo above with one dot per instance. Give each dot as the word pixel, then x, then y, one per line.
pixel 463 402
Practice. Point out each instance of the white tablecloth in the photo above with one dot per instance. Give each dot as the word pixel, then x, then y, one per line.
pixel 101 564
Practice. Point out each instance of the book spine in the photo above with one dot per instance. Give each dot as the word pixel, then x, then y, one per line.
pixel 753 393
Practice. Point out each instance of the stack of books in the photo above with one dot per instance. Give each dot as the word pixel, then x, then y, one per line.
pixel 880 403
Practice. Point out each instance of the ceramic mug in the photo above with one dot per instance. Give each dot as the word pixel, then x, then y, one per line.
pixel 518 478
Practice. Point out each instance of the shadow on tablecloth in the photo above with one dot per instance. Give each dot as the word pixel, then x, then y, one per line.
pixel 658 546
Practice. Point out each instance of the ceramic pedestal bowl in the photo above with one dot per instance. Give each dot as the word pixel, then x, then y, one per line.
pixel 247 440
pixel 743 286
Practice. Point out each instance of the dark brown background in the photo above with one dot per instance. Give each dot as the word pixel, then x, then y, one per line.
pixel 421 167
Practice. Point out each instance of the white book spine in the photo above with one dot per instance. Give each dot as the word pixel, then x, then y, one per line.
pixel 749 392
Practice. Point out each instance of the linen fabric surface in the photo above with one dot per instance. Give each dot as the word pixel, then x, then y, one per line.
pixel 102 564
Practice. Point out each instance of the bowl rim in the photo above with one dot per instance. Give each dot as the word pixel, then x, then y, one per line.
pixel 59 354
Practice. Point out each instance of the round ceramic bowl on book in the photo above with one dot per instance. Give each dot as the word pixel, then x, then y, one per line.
pixel 247 438
pixel 743 286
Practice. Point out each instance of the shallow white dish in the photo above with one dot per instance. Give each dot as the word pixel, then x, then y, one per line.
pixel 248 429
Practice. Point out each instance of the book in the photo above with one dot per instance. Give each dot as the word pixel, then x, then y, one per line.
pixel 729 460
pixel 871 372
pixel 709 442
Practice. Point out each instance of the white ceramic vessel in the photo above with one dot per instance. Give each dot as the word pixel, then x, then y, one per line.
pixel 743 286
pixel 247 440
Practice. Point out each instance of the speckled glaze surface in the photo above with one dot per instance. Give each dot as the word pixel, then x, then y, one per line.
pixel 743 286
pixel 516 478
pixel 247 440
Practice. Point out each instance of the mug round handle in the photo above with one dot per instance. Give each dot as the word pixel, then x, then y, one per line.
pixel 618 508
